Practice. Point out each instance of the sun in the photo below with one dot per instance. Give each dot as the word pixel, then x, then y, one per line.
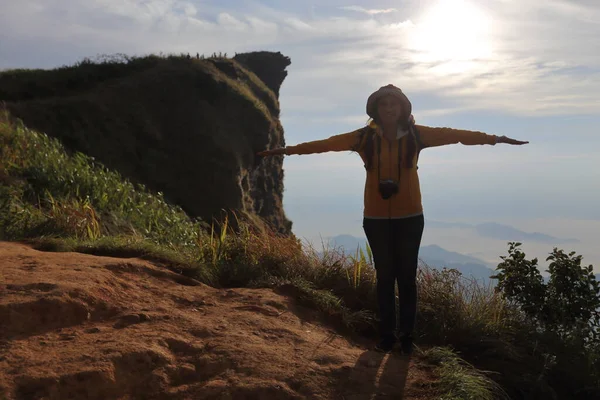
pixel 452 30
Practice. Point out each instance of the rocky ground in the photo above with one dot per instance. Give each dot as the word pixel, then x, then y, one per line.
pixel 76 326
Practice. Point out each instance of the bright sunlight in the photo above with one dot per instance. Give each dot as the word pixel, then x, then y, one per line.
pixel 453 31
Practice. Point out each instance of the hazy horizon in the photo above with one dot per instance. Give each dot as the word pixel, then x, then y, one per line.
pixel 528 69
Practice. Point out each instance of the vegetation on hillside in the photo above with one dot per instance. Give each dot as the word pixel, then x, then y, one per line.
pixel 163 122
pixel 523 340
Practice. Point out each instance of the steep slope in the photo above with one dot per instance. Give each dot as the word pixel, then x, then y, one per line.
pixel 189 128
pixel 75 326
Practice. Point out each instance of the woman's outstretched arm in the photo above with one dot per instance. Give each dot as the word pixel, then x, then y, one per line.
pixel 341 142
pixel 432 137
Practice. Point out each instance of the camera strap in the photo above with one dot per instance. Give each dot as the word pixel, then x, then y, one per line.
pixel 379 158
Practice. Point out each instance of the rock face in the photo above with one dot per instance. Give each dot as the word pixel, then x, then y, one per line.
pixel 189 128
pixel 269 67
pixel 76 326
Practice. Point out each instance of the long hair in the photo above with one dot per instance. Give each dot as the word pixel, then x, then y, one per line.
pixel 366 143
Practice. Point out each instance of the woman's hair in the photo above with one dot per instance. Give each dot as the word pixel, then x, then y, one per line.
pixel 366 143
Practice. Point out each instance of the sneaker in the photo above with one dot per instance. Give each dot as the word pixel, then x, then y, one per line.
pixel 386 345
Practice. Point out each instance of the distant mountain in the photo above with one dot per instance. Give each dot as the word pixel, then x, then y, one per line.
pixel 503 232
pixel 437 257
pixel 494 230
pixel 434 256
pixel 435 252
pixel 348 243
pixel 439 224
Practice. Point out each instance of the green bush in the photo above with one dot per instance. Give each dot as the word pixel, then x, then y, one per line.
pixel 565 313
pixel 568 305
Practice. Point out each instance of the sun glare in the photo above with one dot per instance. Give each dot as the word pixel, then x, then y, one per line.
pixel 452 30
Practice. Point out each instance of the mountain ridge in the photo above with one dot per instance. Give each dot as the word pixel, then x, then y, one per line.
pixel 494 230
pixel 432 255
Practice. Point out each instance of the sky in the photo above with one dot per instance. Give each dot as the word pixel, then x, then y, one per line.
pixel 528 69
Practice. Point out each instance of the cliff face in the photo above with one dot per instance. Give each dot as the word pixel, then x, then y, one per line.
pixel 189 128
pixel 269 67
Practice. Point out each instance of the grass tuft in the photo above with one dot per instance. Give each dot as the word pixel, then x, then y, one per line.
pixel 459 380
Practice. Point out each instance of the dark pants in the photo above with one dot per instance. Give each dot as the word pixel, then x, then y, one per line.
pixel 395 245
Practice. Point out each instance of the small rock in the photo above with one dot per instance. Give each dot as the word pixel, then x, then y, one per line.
pixel 144 317
pixel 132 318
pixel 187 371
pixel 67 336
pixel 127 320
pixel 92 330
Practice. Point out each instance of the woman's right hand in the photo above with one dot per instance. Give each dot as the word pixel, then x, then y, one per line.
pixel 273 152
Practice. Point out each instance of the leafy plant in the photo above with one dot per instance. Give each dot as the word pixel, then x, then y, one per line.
pixel 565 312
pixel 569 304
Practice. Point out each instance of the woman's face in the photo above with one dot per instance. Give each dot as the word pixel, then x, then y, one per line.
pixel 389 109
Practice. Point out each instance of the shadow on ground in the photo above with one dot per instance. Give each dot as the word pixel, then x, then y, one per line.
pixel 374 376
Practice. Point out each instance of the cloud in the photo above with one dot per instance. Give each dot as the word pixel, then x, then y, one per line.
pixel 369 11
pixel 230 22
pixel 298 25
pixel 540 59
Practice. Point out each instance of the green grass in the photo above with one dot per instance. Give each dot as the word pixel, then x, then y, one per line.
pixel 28 84
pixel 53 192
pixel 460 380
pixel 128 247
pixel 69 202
pixel 88 74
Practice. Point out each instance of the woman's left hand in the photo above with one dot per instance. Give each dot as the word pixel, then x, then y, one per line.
pixel 504 139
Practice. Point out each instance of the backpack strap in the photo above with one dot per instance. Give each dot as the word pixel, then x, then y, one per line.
pixel 417 134
pixel 420 144
pixel 365 142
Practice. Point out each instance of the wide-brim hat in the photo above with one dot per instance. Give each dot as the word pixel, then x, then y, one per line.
pixel 387 91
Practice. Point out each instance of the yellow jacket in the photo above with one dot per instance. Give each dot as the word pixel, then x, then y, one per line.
pixel 407 202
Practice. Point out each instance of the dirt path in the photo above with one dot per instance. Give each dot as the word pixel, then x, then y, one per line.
pixel 76 326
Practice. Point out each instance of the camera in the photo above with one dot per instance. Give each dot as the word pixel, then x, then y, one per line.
pixel 388 188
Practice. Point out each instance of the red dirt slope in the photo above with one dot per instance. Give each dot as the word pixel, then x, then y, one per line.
pixel 76 326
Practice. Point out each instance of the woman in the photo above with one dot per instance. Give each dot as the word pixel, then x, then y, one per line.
pixel 393 214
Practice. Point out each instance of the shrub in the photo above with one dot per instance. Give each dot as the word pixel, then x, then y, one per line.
pixel 565 313
pixel 568 305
